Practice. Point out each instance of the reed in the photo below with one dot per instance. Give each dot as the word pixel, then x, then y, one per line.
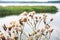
pixel 16 10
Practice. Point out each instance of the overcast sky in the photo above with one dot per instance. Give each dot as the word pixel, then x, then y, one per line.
pixel 30 0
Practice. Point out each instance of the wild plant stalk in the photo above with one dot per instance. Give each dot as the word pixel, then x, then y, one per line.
pixel 37 34
pixel 39 23
pixel 30 24
pixel 21 33
pixel 20 36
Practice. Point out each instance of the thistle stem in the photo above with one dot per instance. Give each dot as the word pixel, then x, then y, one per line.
pixel 39 23
pixel 21 36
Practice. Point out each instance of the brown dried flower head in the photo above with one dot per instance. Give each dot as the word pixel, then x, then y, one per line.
pixel 43 29
pixel 51 19
pixel 24 19
pixel 31 14
pixel 38 30
pixel 9 33
pixel 16 37
pixel 44 15
pixel 35 32
pixel 30 34
pixel 47 26
pixel 30 37
pixel 13 22
pixel 20 29
pixel 4 27
pixel 36 17
pixel 39 17
pixel 46 32
pixel 51 30
pixel 24 13
pixel 2 36
pixel 38 35
pixel 10 26
pixel 20 21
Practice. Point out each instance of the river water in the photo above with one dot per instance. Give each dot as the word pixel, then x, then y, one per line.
pixel 55 23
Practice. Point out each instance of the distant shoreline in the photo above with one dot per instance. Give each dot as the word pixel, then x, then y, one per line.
pixel 28 2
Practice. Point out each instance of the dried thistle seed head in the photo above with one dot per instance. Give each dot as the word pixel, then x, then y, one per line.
pixel 31 16
pixel 17 25
pixel 33 12
pixel 46 32
pixel 16 30
pixel 38 35
pixel 44 22
pixel 2 36
pixel 13 32
pixel 44 15
pixel 16 37
pixel 4 27
pixel 10 27
pixel 51 30
pixel 30 38
pixel 24 13
pixel 24 19
pixel 36 20
pixel 51 19
pixel 36 17
pixel 47 26
pixel 9 33
pixel 30 34
pixel 39 17
pixel 8 38
pixel 12 22
pixel 38 30
pixel 20 29
pixel 35 32
pixel 30 13
pixel 20 21
pixel 44 18
pixel 43 29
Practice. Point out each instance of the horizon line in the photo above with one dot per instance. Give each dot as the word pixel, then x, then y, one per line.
pixel 29 2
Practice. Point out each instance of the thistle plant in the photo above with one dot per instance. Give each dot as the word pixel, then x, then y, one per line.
pixel 33 21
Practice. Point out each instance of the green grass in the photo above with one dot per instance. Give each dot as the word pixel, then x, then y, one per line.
pixel 16 10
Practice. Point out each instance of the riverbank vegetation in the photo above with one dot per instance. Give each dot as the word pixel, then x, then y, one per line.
pixel 16 10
